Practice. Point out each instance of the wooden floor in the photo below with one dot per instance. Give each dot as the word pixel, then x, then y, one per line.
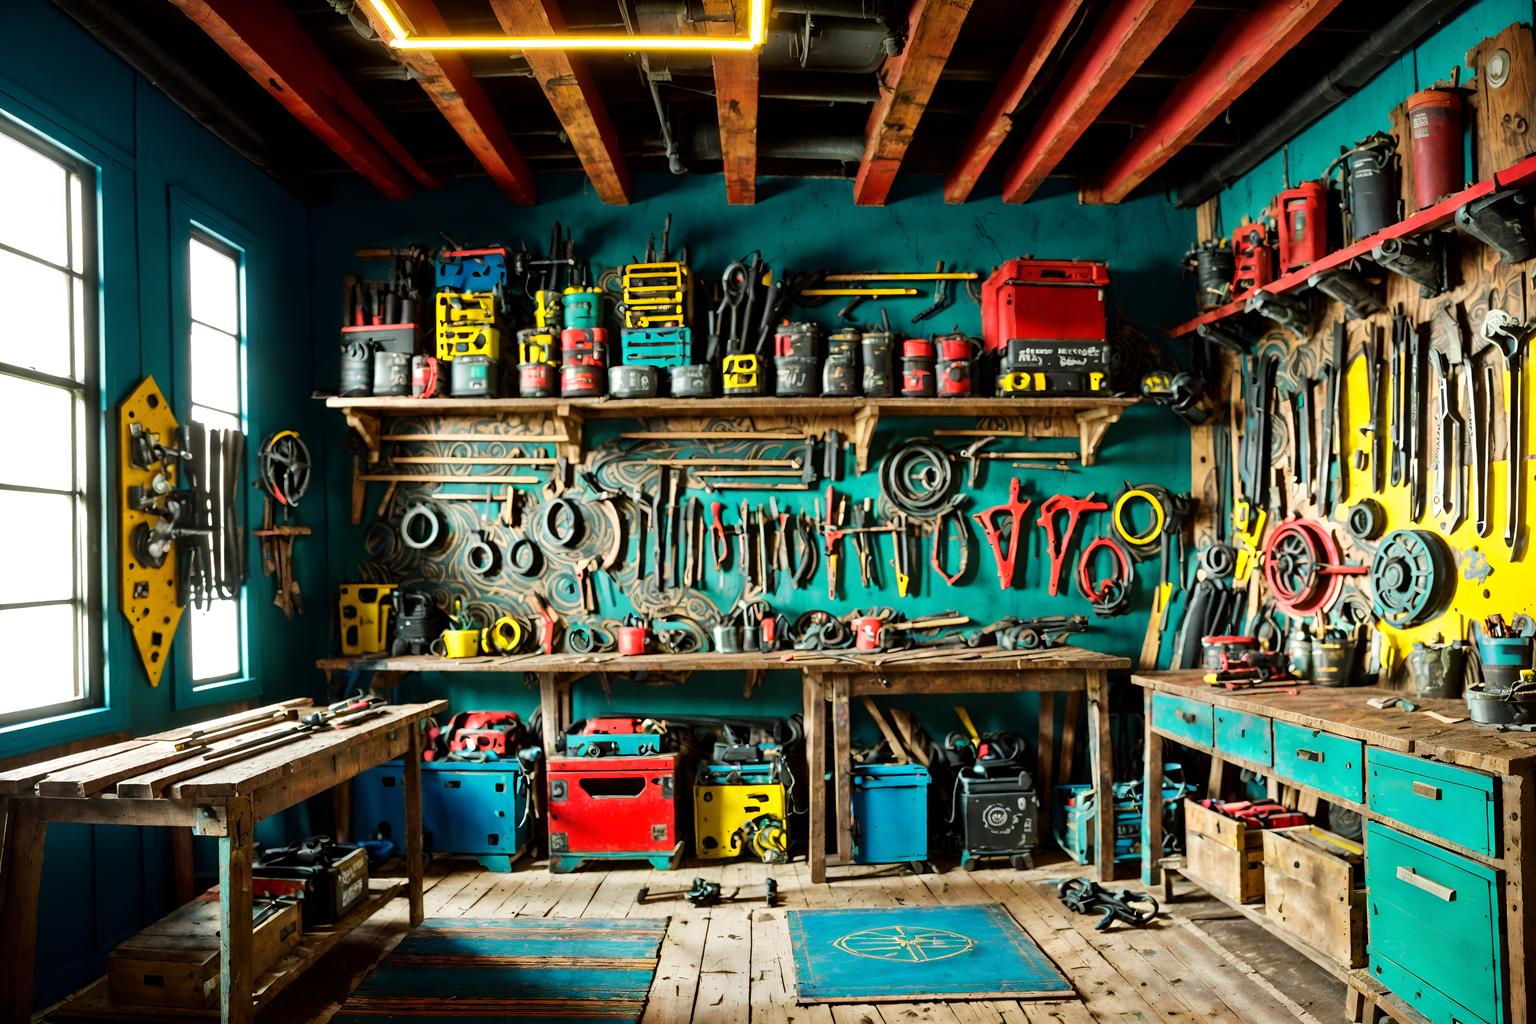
pixel 731 963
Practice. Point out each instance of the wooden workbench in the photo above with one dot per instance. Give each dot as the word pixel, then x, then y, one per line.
pixel 1507 757
pixel 177 779
pixel 835 678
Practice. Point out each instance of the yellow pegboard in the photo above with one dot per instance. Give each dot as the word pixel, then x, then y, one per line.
pixel 149 592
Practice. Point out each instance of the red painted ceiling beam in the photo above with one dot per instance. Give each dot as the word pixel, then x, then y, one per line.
pixel 906 83
pixel 736 95
pixel 265 39
pixel 568 85
pixel 1051 20
pixel 1251 44
pixel 458 95
pixel 1125 34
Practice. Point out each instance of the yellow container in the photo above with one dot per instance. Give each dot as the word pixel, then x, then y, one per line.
pixel 472 340
pixel 724 814
pixel 465 308
pixel 363 610
pixel 536 347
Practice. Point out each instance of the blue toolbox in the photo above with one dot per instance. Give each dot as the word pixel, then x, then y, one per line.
pixel 472 270
pixel 468 808
pixel 656 346
pixel 1074 813
pixel 890 814
pixel 739 807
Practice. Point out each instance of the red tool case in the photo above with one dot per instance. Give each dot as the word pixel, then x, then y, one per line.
pixel 612 808
pixel 1044 300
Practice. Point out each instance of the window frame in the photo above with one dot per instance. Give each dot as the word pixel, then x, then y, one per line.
pixel 190 219
pixel 84 385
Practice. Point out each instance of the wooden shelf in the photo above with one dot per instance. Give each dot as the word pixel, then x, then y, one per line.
pixel 94 1003
pixel 1428 219
pixel 1086 418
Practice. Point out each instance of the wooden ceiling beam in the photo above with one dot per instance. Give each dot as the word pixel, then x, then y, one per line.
pixel 906 83
pixel 572 93
pixel 459 97
pixel 1051 21
pixel 1251 44
pixel 1125 34
pixel 267 41
pixel 736 96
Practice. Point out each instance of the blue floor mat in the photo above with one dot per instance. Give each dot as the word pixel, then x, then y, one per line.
pixel 918 954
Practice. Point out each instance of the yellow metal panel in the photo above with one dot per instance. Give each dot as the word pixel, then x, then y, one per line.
pixel 719 812
pixel 149 593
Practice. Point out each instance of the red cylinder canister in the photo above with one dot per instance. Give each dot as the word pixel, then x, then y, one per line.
pixel 630 639
pixel 1434 145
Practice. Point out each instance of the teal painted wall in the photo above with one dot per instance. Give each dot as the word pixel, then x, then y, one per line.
pixel 1370 109
pixel 803 225
pixel 102 884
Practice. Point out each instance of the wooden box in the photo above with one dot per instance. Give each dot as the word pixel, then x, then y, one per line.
pixel 175 961
pixel 1224 854
pixel 1315 889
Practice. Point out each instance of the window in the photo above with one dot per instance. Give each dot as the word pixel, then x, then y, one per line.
pixel 50 576
pixel 216 356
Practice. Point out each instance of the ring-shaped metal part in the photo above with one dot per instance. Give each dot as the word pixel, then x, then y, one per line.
pixel 563 524
pixel 1159 517
pixel 482 557
pixel 421 527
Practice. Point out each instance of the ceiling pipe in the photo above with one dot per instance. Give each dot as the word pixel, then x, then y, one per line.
pixel 1416 20
pixel 704 144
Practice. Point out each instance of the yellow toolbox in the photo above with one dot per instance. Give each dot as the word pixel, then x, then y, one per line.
pixel 454 341
pixel 467 308
pixel 657 295
pixel 740 807
pixel 364 610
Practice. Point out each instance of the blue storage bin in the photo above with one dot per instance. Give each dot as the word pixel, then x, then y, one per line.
pixel 468 809
pixel 890 813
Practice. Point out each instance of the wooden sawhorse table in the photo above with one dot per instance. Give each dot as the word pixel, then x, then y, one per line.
pixel 1058 670
pixel 194 778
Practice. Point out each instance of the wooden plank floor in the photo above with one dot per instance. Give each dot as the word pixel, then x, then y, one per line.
pixel 731 964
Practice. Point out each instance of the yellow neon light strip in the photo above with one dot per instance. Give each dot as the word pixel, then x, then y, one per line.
pixel 401 39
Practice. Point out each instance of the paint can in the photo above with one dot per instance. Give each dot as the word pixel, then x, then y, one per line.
pixel 1434 145
pixel 797 339
pixel 1371 173
pixel 840 373
pixel 1503 659
pixel 581 380
pixel 632 380
pixel 630 639
pixel 917 360
pixel 391 374
pixel 1214 267
pixel 426 377
pixel 535 380
pixel 869 633
pixel 582 307
pixel 1437 670
pixel 726 638
pixel 796 377
pixel 1298 647
pixel 692 380
pixel 876 349
pixel 356 370
pixel 472 377
pixel 1333 661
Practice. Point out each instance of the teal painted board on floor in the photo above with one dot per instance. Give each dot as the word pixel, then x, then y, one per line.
pixel 484 970
pixel 970 951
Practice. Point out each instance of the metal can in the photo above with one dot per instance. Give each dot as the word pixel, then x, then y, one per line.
pixel 692 380
pixel 795 377
pixel 426 379
pixel 840 372
pixel 876 350
pixel 1434 145
pixel 391 374
pixel 797 339
pixel 917 368
pixel 585 345
pixel 356 370
pixel 472 377
pixel 581 380
pixel 632 380
pixel 953 378
pixel 535 380
pixel 1371 185
pixel 582 307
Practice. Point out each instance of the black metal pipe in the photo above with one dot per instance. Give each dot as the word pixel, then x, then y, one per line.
pixel 1416 20
pixel 704 144
pixel 867 10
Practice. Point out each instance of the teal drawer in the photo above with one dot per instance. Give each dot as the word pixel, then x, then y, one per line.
pixel 1321 760
pixel 1185 719
pixel 1453 803
pixel 1246 736
pixel 1435 928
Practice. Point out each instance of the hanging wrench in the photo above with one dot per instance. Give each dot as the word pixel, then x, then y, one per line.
pixel 1502 330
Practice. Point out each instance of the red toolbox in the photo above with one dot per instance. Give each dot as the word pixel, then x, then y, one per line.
pixel 1044 300
pixel 614 808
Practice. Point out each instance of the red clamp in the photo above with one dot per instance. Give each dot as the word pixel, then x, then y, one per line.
pixel 1110 594
pixel 1057 546
pixel 987 519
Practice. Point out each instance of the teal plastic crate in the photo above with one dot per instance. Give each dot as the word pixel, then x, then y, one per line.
pixel 468 809
pixel 890 813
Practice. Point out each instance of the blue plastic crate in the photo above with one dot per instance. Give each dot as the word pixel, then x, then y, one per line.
pixel 472 270
pixel 467 809
pixel 1074 813
pixel 890 813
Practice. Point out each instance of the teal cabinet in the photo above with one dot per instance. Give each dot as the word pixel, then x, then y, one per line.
pixel 1321 760
pixel 1183 719
pixel 1245 736
pixel 1435 928
pixel 1455 804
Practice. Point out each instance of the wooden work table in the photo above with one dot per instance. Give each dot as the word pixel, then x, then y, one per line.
pixel 835 678
pixel 180 779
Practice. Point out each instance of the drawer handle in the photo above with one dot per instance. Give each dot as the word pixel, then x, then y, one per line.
pixel 1418 881
pixel 1187 717
pixel 1426 791
pixel 1315 756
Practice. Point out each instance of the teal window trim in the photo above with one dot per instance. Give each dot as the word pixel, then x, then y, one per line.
pixel 189 217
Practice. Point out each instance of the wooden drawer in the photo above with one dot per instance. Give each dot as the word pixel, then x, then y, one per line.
pixel 1435 922
pixel 1453 803
pixel 1243 735
pixel 1182 718
pixel 1224 854
pixel 1329 763
pixel 1314 889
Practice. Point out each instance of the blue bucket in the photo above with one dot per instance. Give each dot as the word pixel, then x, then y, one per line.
pixel 1503 658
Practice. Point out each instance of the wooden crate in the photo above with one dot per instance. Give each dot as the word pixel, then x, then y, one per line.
pixel 175 961
pixel 1314 889
pixel 1224 854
